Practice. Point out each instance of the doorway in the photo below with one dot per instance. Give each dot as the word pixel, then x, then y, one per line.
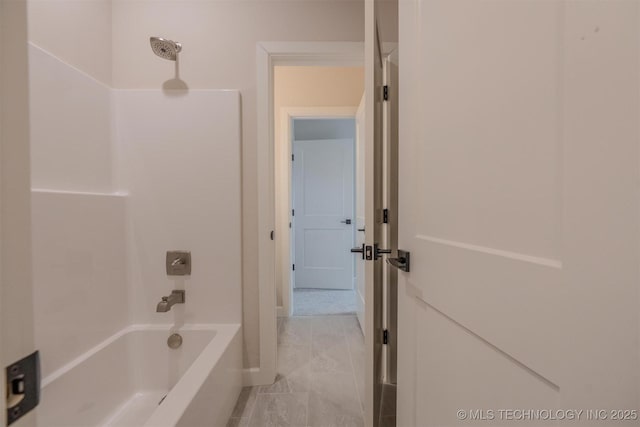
pixel 322 217
pixel 315 110
pixel 329 348
pixel 278 339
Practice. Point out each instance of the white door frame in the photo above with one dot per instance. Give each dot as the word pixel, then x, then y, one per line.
pixel 16 288
pixel 287 114
pixel 268 55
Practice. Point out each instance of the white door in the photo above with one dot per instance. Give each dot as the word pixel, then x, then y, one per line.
pixel 519 205
pixel 373 214
pixel 323 187
pixel 390 238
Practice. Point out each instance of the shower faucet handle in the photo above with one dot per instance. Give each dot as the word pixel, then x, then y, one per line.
pixel 178 263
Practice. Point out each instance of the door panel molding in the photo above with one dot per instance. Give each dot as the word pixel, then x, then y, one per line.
pixel 546 262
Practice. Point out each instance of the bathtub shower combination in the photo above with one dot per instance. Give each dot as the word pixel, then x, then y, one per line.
pixel 129 335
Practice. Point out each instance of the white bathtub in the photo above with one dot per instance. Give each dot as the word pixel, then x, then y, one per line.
pixel 121 381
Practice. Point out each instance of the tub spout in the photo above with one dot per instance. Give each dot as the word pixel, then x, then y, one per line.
pixel 176 297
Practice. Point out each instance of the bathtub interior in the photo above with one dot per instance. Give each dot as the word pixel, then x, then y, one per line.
pixel 121 382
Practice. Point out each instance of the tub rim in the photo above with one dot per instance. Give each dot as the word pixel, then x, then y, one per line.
pixel 168 327
pixel 183 393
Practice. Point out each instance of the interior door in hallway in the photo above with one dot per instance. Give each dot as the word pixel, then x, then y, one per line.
pixel 374 205
pixel 323 203
pixel 519 166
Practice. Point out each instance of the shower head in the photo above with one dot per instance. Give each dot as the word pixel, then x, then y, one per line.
pixel 167 49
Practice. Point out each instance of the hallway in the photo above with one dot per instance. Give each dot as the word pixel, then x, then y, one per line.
pixel 320 377
pixel 320 302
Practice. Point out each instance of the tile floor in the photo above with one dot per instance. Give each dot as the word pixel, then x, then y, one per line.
pixel 315 302
pixel 320 377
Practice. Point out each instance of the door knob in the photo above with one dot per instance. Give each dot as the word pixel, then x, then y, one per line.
pixel 358 251
pixel 402 262
pixel 346 221
pixel 377 252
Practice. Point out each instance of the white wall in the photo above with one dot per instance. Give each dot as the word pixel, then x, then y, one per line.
pixel 71 126
pixel 79 240
pixel 180 163
pixel 79 32
pixel 80 272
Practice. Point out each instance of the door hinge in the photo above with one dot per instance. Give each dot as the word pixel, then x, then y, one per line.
pixel 385 216
pixel 273 235
pixel 293 212
pixel 293 157
pixel 385 337
pixel 385 92
pixel 23 386
pixel 293 267
pixel 289 225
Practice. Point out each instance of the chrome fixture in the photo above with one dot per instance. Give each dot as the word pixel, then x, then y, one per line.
pixel 166 49
pixel 174 341
pixel 178 263
pixel 359 250
pixel 374 253
pixel 176 297
pixel 403 262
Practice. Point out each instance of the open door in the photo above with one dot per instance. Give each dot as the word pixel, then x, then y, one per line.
pixel 16 311
pixel 519 166
pixel 390 220
pixel 373 215
pixel 381 113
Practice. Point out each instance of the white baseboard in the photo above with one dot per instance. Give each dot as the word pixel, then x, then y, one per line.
pixel 255 377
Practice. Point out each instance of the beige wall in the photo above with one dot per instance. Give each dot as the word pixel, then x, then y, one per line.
pixel 76 31
pixel 109 40
pixel 304 87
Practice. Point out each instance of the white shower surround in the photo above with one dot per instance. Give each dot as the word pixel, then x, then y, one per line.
pixel 110 200
pixel 178 158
